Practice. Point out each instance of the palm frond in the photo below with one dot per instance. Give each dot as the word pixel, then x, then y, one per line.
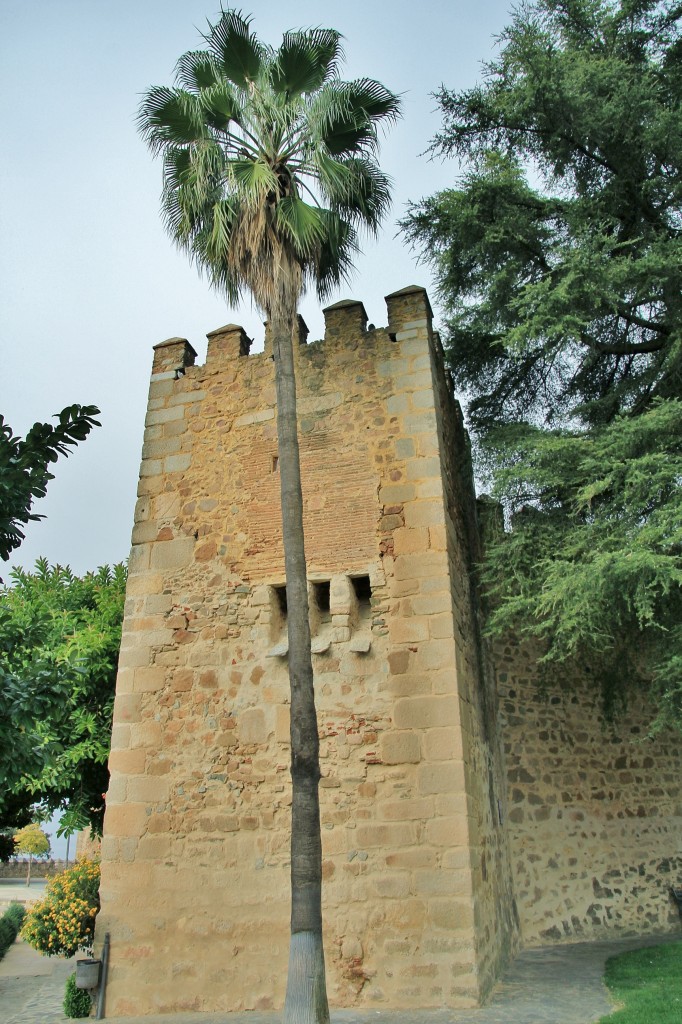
pixel 253 178
pixel 220 105
pixel 342 131
pixel 335 177
pixel 339 247
pixel 305 61
pixel 221 220
pixel 170 116
pixel 253 138
pixel 221 275
pixel 177 163
pixel 354 186
pixel 374 99
pixel 192 182
pixel 327 42
pixel 225 282
pixel 345 115
pixel 301 223
pixel 196 70
pixel 369 193
pixel 239 52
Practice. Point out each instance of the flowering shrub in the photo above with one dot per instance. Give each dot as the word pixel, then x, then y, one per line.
pixel 63 921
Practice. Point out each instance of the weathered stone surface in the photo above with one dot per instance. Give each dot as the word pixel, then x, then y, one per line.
pixel 204 748
pixel 172 554
pixel 426 712
pixel 400 747
pixel 417 819
pixel 599 803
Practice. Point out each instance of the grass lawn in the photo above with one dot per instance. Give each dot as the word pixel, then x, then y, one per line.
pixel 648 984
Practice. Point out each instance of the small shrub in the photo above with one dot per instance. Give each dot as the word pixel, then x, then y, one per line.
pixel 76 1000
pixel 10 924
pixel 64 920
pixel 15 914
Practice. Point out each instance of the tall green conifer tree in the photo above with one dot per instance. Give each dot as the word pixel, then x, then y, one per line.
pixel 558 258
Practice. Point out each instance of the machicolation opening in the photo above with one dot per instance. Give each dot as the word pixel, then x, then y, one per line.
pixel 362 591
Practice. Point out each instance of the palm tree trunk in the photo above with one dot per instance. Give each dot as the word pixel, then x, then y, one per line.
pixel 306 998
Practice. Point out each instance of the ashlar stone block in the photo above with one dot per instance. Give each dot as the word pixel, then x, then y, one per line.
pixel 172 554
pixel 252 726
pixel 444 777
pixel 400 747
pixel 426 512
pixel 442 744
pixel 425 712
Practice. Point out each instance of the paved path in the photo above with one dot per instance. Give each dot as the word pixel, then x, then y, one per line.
pixel 554 985
pixel 32 986
pixel 13 890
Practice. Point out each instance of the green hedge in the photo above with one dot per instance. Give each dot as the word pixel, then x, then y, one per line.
pixel 10 923
pixel 77 1002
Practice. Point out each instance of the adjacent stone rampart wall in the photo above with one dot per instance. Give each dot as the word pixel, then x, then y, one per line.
pixel 195 874
pixel 39 868
pixel 595 809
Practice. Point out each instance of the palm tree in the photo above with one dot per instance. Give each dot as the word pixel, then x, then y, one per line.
pixel 269 170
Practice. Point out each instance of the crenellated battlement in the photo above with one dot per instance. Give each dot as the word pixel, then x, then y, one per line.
pixel 171 358
pixel 408 310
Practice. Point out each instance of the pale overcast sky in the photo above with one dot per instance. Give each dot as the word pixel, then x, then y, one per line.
pixel 89 281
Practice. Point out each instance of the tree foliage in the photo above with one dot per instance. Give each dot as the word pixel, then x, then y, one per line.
pixel 24 472
pixel 31 840
pixel 10 924
pixel 269 160
pixel 77 1001
pixel 59 641
pixel 17 811
pixel 558 262
pixel 592 565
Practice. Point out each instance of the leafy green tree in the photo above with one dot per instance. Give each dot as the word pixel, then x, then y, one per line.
pixel 16 811
pixel 558 261
pixel 269 163
pixel 59 641
pixel 31 840
pixel 24 473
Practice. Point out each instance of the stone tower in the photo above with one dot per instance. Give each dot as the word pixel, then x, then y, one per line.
pixel 418 904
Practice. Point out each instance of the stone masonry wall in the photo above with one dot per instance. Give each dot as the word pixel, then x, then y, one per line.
pixel 496 925
pixel 595 810
pixel 195 872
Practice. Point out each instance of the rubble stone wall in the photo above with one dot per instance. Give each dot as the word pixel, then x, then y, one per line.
pixel 595 809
